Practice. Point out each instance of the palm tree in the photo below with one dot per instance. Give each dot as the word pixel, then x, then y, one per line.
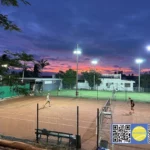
pixel 39 66
pixel 43 63
pixel 36 71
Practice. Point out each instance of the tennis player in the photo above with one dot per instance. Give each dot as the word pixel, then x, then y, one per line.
pixel 132 105
pixel 47 100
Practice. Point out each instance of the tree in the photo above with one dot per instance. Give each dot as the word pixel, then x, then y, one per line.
pixel 145 80
pixel 43 63
pixel 39 66
pixel 24 57
pixel 89 77
pixel 69 79
pixel 7 63
pixel 60 74
pixel 9 77
pixel 9 25
pixel 4 21
pixel 36 70
pixel 3 64
pixel 20 60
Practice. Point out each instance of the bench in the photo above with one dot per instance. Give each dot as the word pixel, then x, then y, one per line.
pixel 59 135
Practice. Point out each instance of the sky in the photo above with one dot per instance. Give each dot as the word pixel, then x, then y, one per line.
pixel 115 32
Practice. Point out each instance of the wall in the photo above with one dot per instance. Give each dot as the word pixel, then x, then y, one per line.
pixel 54 85
pixel 116 84
pixel 83 85
pixel 109 84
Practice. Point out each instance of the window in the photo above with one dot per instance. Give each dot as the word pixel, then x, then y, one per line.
pixel 127 84
pixel 108 85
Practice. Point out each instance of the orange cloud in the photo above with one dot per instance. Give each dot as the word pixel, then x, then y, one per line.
pixel 65 65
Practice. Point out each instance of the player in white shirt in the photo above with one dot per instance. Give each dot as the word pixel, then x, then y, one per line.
pixel 47 100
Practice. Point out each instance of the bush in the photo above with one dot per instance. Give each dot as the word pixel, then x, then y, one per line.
pixel 21 90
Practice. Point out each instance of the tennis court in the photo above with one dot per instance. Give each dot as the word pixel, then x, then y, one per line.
pixel 119 95
pixel 18 118
pixel 121 115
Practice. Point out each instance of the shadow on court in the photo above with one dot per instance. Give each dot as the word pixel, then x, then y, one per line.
pixel 89 133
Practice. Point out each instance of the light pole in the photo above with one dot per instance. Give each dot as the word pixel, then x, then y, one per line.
pixel 94 62
pixel 139 61
pixel 77 52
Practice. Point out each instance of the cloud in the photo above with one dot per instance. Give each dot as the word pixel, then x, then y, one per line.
pixel 116 35
pixel 116 66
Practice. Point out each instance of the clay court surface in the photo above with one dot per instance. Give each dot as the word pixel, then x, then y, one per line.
pixel 18 118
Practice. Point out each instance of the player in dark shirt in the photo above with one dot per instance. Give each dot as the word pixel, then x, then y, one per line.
pixel 132 105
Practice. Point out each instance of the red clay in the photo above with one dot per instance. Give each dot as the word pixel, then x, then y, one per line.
pixel 18 118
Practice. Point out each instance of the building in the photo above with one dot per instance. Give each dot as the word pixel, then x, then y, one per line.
pixel 43 84
pixel 110 82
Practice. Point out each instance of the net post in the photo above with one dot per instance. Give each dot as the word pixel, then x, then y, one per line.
pixel 97 92
pixel 37 139
pixel 97 128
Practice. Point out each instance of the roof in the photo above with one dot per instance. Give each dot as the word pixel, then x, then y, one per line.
pixel 41 79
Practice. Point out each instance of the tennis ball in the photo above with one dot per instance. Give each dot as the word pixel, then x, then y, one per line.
pixel 139 133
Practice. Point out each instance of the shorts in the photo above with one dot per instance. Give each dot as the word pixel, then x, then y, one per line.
pixel 132 106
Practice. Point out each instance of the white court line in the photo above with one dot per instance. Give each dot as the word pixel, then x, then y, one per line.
pixel 44 117
pixel 47 117
pixel 47 122
pixel 19 119
pixel 60 107
pixel 18 114
pixel 21 104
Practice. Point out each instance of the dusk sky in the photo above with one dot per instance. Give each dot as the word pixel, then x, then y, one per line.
pixel 115 32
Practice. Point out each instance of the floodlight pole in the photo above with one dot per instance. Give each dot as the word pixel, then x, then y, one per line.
pixel 94 71
pixel 77 75
pixel 139 77
pixel 94 77
pixel 139 61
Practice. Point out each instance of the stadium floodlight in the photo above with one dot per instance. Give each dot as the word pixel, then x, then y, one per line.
pixel 5 65
pixel 94 62
pixel 148 47
pixel 139 61
pixel 77 52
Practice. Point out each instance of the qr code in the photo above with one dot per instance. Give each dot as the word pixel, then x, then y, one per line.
pixel 121 133
pixel 149 134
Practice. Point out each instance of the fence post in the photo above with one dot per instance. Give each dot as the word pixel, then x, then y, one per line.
pixel 37 138
pixel 97 128
pixel 77 120
pixel 97 92
pixel 78 138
